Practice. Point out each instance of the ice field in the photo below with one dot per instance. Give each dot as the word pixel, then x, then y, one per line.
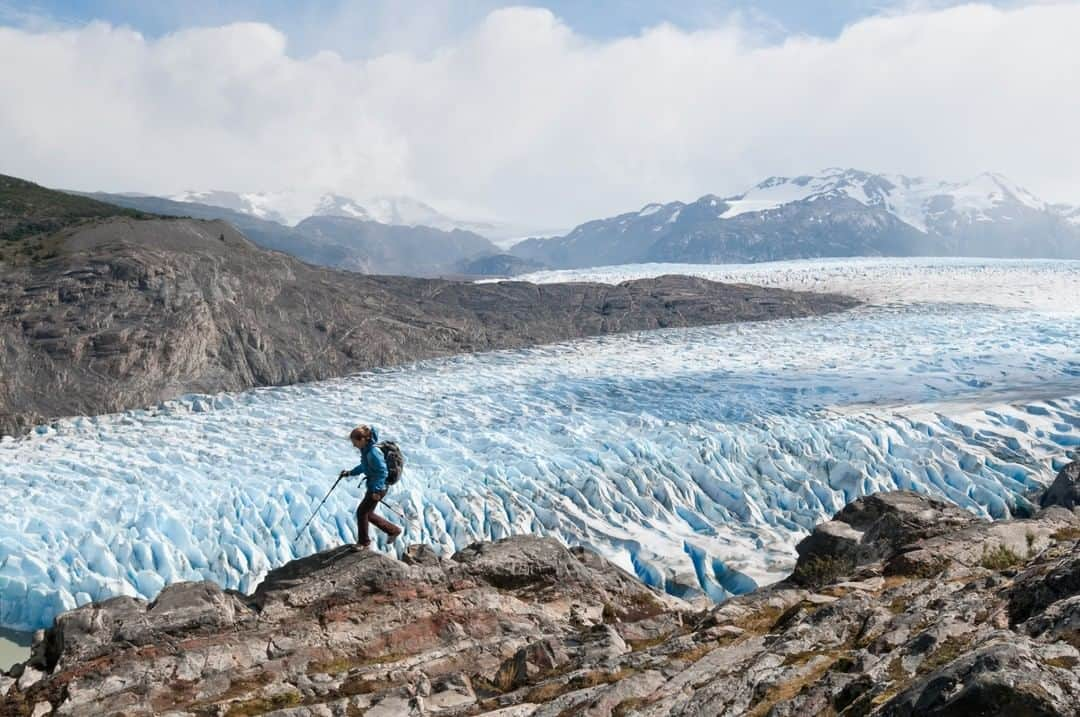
pixel 695 458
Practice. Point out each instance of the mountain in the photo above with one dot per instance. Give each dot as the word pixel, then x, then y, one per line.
pixel 255 204
pixel 374 248
pixel 122 311
pixel 343 236
pixel 839 212
pixel 292 207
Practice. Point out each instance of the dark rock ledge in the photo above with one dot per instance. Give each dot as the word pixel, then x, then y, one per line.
pixel 901 605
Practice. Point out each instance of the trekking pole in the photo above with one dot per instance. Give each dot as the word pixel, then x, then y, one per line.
pixel 316 511
pixel 395 510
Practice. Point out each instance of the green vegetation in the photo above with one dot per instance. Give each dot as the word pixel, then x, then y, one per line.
pixel 30 216
pixel 1000 558
pixel 262 705
pixel 27 209
pixel 949 650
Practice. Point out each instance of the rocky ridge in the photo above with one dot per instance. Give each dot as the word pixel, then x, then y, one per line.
pixel 901 605
pixel 115 313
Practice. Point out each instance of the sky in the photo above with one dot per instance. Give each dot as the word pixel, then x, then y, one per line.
pixel 543 116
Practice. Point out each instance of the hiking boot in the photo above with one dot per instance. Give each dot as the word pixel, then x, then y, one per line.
pixel 391 537
pixel 360 546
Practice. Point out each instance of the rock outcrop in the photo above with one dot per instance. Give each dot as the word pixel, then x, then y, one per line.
pixel 527 628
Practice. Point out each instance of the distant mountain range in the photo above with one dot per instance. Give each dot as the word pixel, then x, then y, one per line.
pixel 336 240
pixel 838 212
pixel 291 208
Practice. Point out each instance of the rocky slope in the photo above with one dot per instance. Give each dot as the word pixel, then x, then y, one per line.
pixel 839 212
pixel 117 313
pixel 901 605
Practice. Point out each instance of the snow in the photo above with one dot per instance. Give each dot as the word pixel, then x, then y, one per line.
pixel 909 198
pixel 696 458
pixel 649 209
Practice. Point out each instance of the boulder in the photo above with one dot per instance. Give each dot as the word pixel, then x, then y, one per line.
pixel 1042 585
pixel 341 574
pixel 1065 490
pixel 90 631
pixel 420 554
pixel 873 528
pixel 1005 676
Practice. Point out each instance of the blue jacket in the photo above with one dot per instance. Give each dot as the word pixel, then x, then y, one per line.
pixel 372 465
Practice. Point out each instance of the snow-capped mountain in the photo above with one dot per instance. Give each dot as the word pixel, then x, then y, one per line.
pixel 257 204
pixel 838 212
pixel 335 205
pixel 292 207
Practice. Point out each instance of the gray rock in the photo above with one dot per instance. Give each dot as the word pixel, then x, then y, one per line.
pixel 1042 585
pixel 528 627
pixel 420 554
pixel 1007 676
pixel 1065 490
pixel 873 528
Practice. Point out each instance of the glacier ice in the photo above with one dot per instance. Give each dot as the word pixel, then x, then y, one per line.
pixel 695 458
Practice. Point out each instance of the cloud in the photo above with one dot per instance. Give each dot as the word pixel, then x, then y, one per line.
pixel 522 118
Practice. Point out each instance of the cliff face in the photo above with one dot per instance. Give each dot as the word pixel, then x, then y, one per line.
pixel 901 605
pixel 122 313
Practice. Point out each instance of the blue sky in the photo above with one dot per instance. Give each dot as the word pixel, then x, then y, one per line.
pixel 367 27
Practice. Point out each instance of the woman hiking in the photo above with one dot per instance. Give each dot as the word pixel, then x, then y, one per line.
pixel 373 467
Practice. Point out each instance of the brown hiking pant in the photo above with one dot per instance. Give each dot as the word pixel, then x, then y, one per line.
pixel 366 513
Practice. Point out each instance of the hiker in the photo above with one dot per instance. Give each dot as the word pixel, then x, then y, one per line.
pixel 373 468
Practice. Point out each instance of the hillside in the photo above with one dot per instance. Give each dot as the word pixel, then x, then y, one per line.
pixel 30 210
pixel 901 605
pixel 837 213
pixel 333 238
pixel 125 313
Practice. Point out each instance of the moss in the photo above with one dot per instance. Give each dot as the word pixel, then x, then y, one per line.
pixel 930 569
pixel 357 685
pixel 694 653
pixel 1065 662
pixel 1071 532
pixel 1000 558
pixel 788 689
pixel 763 620
pixel 822 570
pixel 628 707
pixel 262 705
pixel 949 650
pixel 551 690
pixel 639 645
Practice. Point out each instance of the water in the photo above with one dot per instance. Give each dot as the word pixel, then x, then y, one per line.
pixel 695 458
pixel 14 648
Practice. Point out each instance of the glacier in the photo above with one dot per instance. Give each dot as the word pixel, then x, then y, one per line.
pixel 695 458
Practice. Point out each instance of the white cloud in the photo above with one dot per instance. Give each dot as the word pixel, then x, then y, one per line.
pixel 523 119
